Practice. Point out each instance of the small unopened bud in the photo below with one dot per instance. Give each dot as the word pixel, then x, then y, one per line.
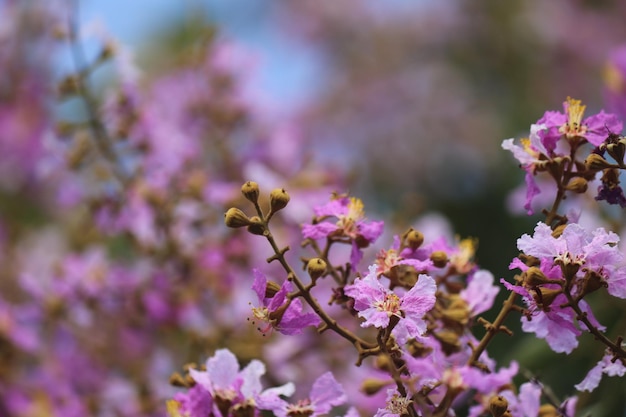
pixel 251 191
pixel 596 162
pixel 558 231
pixel 384 363
pixel 577 185
pixel 534 277
pixel 449 341
pixel 271 289
pixel 439 258
pixel 548 410
pixel 616 150
pixel 414 239
pixel 456 316
pixel 592 282
pixel 256 226
pixel 236 218
pixel 498 405
pixel 544 297
pixel 316 267
pixel 177 380
pixel 529 260
pixel 417 349
pixel 371 386
pixel 278 199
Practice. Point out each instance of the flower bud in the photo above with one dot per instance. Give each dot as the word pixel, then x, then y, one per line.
pixel 414 239
pixel 256 226
pixel 316 267
pixel 439 258
pixel 558 231
pixel 596 162
pixel 498 405
pixel 577 185
pixel 449 341
pixel 548 410
pixel 177 380
pixel 455 316
pixel 371 386
pixel 271 289
pixel 236 218
pixel 534 277
pixel 529 260
pixel 545 296
pixel 251 191
pixel 616 150
pixel 278 199
pixel 592 281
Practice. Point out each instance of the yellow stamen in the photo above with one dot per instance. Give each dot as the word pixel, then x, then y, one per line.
pixel 573 126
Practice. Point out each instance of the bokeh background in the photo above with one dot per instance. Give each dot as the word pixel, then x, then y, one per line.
pixel 406 101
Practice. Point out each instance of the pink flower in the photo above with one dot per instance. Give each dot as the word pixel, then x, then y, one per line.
pixel 396 405
pixel 386 260
pixel 280 312
pixel 228 385
pixel 527 403
pixel 480 292
pixel 605 366
pixel 350 224
pixel 377 304
pixel 595 251
pixel 325 394
pixel 570 124
pixel 530 155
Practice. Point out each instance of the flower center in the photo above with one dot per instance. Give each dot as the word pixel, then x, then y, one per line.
pixel 387 260
pixel 348 221
pixel 391 304
pixel 398 405
pixel 302 408
pixel 263 315
pixel 574 126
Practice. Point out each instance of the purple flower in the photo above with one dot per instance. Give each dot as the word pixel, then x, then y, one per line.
pixel 350 224
pixel 570 124
pixel 480 292
pixel 533 152
pixel 594 251
pixel 227 385
pixel 325 394
pixel 377 304
pixel 280 312
pixel 387 260
pixel 605 366
pixel 549 322
pixel 527 403
pixel 396 405
pixel 197 402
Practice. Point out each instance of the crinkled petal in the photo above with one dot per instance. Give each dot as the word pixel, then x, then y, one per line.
pixel 600 125
pixel 326 393
pixel 318 231
pixel 480 292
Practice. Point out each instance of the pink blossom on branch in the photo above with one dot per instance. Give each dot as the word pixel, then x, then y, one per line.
pixel 350 224
pixel 279 311
pixel 326 393
pixel 377 304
